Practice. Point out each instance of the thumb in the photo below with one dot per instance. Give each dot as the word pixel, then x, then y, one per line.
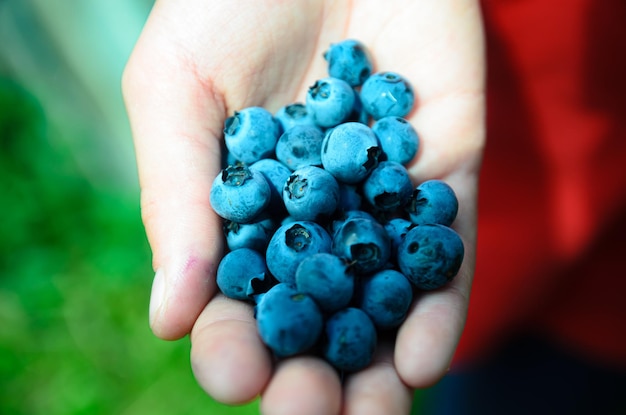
pixel 176 120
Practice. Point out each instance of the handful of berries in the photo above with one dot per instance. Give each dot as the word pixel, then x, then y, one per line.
pixel 327 236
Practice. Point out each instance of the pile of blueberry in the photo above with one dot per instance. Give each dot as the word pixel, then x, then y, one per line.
pixel 327 236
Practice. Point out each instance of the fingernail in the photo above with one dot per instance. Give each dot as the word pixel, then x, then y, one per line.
pixel 157 296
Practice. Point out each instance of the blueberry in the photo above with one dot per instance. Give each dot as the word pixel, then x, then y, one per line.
pixel 347 215
pixel 290 244
pixel 254 235
pixel 349 197
pixel 350 340
pixel 397 228
pixel 386 297
pixel 328 279
pixel 358 113
pixel 300 146
pixel 239 194
pixel 387 94
pixel 251 134
pixel 388 187
pixel 311 193
pixel 350 152
pixel 330 101
pixel 294 114
pixel 433 201
pixel 242 273
pixel 349 60
pixel 289 322
pixel 430 256
pixel 364 242
pixel 398 139
pixel 276 174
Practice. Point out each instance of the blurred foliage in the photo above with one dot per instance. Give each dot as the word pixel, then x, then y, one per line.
pixel 74 286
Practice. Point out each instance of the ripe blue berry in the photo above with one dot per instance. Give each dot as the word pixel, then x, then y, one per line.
pixel 311 193
pixel 433 201
pixel 386 297
pixel 276 174
pixel 330 101
pixel 328 279
pixel 254 235
pixel 396 229
pixel 239 194
pixel 387 94
pixel 289 322
pixel 251 134
pixel 294 114
pixel 242 274
pixel 388 187
pixel 430 256
pixel 347 215
pixel 290 244
pixel 398 139
pixel 364 242
pixel 350 151
pixel 300 146
pixel 350 340
pixel 349 60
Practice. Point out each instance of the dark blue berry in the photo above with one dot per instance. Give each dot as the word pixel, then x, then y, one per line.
pixel 364 242
pixel 290 244
pixel 289 322
pixel 433 201
pixel 347 215
pixel 300 146
pixel 350 340
pixel 397 228
pixel 276 174
pixel 328 279
pixel 430 256
pixel 388 187
pixel 254 235
pixel 239 194
pixel 350 152
pixel 242 274
pixel 349 60
pixel 311 193
pixel 330 101
pixel 251 134
pixel 398 139
pixel 387 94
pixel 386 297
pixel 294 114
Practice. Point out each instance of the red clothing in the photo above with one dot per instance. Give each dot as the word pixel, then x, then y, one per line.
pixel 552 204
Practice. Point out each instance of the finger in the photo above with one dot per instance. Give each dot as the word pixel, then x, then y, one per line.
pixel 176 121
pixel 429 336
pixel 377 389
pixel 228 358
pixel 302 385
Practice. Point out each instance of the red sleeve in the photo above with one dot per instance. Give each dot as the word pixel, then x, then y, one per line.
pixel 551 231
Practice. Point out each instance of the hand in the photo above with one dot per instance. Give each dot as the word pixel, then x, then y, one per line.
pixel 195 63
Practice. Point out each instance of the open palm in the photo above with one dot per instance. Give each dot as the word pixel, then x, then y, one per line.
pixel 197 62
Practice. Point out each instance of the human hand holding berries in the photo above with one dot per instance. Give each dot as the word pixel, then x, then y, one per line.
pixel 197 62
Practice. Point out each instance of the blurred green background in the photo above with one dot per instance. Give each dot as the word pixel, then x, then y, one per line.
pixel 75 270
